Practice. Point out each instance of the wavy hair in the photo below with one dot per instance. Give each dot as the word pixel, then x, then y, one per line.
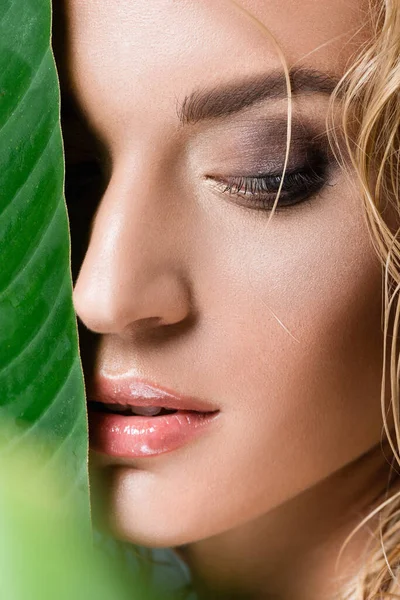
pixel 369 98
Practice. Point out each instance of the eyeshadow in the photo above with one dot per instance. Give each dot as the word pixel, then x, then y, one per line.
pixel 252 147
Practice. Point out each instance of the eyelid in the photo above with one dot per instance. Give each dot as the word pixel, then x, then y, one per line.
pixel 302 184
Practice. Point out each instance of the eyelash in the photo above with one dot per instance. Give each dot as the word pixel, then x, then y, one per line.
pixel 260 191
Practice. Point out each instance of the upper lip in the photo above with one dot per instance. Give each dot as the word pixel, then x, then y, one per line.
pixel 141 392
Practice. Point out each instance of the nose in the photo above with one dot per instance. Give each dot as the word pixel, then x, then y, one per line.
pixel 134 267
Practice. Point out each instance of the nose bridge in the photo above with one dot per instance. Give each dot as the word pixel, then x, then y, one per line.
pixel 133 268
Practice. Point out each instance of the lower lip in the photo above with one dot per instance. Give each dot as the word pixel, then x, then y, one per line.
pixel 137 436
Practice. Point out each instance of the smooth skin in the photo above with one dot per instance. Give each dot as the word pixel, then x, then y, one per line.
pixel 185 284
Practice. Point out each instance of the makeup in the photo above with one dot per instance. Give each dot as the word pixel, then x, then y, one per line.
pixel 133 418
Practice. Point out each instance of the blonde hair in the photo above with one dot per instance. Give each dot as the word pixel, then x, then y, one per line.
pixel 369 99
pixel 369 96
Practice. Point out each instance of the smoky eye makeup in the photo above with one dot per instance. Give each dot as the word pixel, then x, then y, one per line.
pixel 299 183
pixel 250 169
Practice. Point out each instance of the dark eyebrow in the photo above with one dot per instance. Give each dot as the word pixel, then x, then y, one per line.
pixel 226 99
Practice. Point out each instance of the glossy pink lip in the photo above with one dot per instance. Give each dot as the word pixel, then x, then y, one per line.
pixel 138 436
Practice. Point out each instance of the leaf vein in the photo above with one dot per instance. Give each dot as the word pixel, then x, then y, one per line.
pixel 40 330
pixel 31 172
pixel 31 84
pixel 37 248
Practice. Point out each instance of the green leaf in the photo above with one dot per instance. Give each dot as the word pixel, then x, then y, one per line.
pixel 41 380
pixel 43 555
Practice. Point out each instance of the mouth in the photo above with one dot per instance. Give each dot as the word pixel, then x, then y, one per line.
pixel 131 418
pixel 129 410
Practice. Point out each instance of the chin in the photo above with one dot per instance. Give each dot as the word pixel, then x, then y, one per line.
pixel 153 532
pixel 150 520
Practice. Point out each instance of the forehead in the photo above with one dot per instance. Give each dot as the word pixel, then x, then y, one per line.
pixel 139 57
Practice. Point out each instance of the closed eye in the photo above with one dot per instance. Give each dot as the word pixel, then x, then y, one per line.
pixel 260 191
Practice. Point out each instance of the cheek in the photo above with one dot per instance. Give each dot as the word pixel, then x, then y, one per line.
pixel 301 350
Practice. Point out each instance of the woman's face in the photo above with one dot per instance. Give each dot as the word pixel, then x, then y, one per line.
pixel 275 324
